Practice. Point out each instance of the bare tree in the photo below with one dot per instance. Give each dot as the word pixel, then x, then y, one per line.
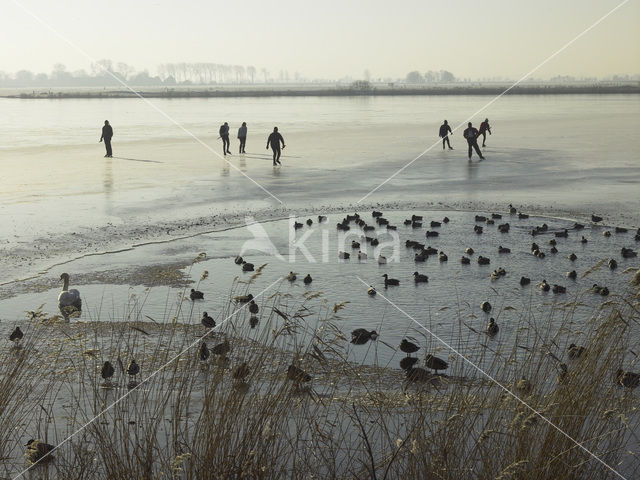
pixel 251 70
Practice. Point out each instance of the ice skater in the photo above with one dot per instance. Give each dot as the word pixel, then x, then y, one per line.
pixel 107 133
pixel 445 130
pixel 274 141
pixel 224 135
pixel 471 134
pixel 242 136
pixel 484 128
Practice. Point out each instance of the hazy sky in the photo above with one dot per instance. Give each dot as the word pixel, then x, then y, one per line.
pixel 329 38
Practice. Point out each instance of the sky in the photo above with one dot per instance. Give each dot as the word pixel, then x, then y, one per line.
pixel 328 39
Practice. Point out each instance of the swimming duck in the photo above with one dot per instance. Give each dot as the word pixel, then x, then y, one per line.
pixel 553 242
pixel 203 352
pixel 435 224
pixel 483 260
pixel 362 255
pixel 416 218
pixel 420 257
pixel 343 227
pixel 343 255
pixel 502 249
pixel 465 260
pixel 309 222
pixel 408 347
pixel 375 242
pixel 238 260
pixel 419 278
pixel 360 336
pixel 583 240
pixel 606 233
pixel 416 224
pixel 563 234
pixel 292 277
pixel 544 286
pixel 628 379
pixel 477 229
pixel 297 225
pixel 307 280
pixel 371 290
pixel 446 220
pixel 390 281
pixel 38 452
pixel 621 230
pixel 539 254
pixel 382 221
pixel 431 251
pixel 512 210
pixel 486 307
pixel 16 336
pixel 408 362
pixel 534 247
pixel 107 371
pixel 480 218
pixel 247 267
pixel 253 321
pixel 496 216
pixel 368 228
pixel 558 289
pixel 435 363
pixel 355 244
pixel 613 264
pixel 408 221
pixel 469 251
pixel 431 234
pixel 207 321
pixel 243 298
pixel 492 327
pixel 253 307
pixel 553 250
pixel 572 257
pixel 525 281
pixel 196 295
pixel 322 218
pixel 628 253
pixel 578 226
pixel 595 218
pixel 69 301
pixel 572 274
pixel 522 216
pixel 494 275
pixel 382 260
pixel 443 257
pixel 575 351
pixel 297 375
pixel 490 221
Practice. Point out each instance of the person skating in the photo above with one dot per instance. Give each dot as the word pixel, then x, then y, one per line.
pixel 471 134
pixel 445 130
pixel 484 128
pixel 242 136
pixel 274 141
pixel 224 135
pixel 107 133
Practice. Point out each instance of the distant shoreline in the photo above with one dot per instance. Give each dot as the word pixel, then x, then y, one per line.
pixel 320 91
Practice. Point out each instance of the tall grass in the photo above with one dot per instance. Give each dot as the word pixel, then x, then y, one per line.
pixel 192 420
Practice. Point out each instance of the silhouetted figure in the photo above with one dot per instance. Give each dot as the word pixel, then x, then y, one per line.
pixel 224 135
pixel 242 136
pixel 445 130
pixel 471 134
pixel 484 128
pixel 274 141
pixel 107 133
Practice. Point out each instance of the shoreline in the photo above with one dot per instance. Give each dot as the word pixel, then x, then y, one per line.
pixel 321 91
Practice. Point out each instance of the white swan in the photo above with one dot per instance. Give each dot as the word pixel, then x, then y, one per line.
pixel 69 301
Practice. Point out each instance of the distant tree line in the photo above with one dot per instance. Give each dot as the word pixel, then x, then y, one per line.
pixel 430 76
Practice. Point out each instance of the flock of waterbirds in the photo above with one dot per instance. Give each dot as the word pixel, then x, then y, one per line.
pixel 70 305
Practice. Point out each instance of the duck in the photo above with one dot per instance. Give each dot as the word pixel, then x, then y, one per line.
pixel 523 216
pixel 408 347
pixel 469 251
pixel 431 251
pixel 38 452
pixel 297 375
pixel 628 253
pixel 490 221
pixel 16 336
pixel 241 372
pixel 435 363
pixel 196 294
pixel 207 321
pixel 416 224
pixel 291 277
pixel 408 221
pixel 420 257
pixel 253 307
pixel 534 247
pixel 575 351
pixel 345 228
pixel 480 218
pixel 221 348
pixel 553 250
pixel 578 226
pixel 544 286
pixel 322 218
pixel 477 229
pixel 243 298
pixel 362 255
pixel 107 371
pixel 504 228
pixel 238 260
pixel 595 218
pixel 525 281
pixel 628 379
pixel 390 281
pixel 606 233
pixel 355 244
pixel 408 362
pixel 69 301
pixel 382 221
pixel 343 255
pixel 309 222
pixel 443 257
pixel 375 242
pixel 563 234
pixel 307 280
pixel 431 234
pixel 621 230
pixel 253 321
pixel 203 352
pixel 573 257
pixel 435 224
pixel 485 306
pixel 360 336
pixel 494 275
pixel 297 225
pixel 133 369
pixel 247 267
pixel 572 274
pixel 382 260
pixel 445 220
pixel 376 214
pixel 558 289
pixel 512 210
pixel 419 278
pixel 371 290
pixel 553 242
pixel 583 240
pixel 417 375
pixel 483 260
pixel 465 260
pixel 368 228
pixel 502 249
pixel 492 327
pixel 539 254
pixel 496 216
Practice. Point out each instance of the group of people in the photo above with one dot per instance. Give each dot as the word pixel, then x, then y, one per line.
pixel 274 141
pixel 471 134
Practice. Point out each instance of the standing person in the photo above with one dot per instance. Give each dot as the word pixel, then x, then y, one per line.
pixel 242 136
pixel 445 130
pixel 484 128
pixel 274 141
pixel 107 133
pixel 471 134
pixel 224 135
